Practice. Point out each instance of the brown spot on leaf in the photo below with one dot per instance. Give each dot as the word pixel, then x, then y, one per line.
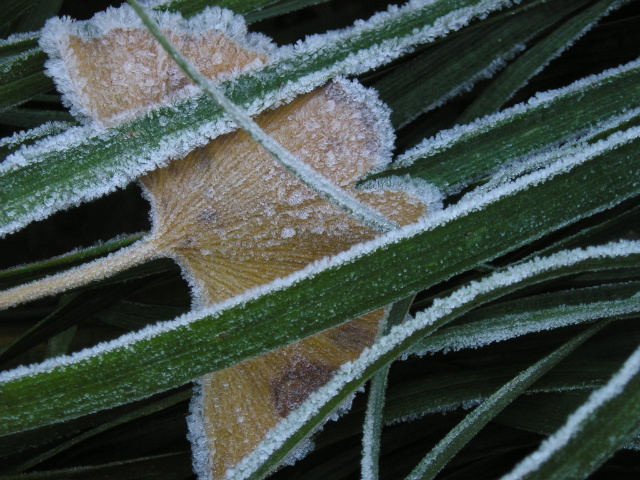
pixel 295 385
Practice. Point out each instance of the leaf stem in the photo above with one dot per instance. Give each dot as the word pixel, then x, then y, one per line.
pixel 135 254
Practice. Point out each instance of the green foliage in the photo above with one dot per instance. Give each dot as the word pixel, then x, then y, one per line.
pixel 559 173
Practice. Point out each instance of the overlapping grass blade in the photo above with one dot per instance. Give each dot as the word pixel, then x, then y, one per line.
pixel 470 233
pixel 372 428
pixel 170 466
pixel 432 78
pixel 518 73
pixel 104 427
pixel 582 111
pixel 84 163
pixel 462 433
pixel 17 140
pixel 594 432
pixel 22 77
pixel 301 423
pixel 26 273
pixel 534 314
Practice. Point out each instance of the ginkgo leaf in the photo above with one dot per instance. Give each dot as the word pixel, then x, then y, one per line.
pixel 230 215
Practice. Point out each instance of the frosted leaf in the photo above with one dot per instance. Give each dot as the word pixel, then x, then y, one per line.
pixel 233 200
pixel 228 213
pixel 249 248
pixel 110 68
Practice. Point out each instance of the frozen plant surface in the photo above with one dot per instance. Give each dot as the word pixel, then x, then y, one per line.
pixel 351 373
pixel 191 122
pixel 228 213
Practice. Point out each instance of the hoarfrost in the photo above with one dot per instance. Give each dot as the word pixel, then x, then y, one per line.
pixel 59 33
pixel 568 44
pixel 489 71
pixel 351 372
pixel 516 325
pixel 577 419
pixel 447 138
pixel 463 208
pixel 200 450
pixel 178 144
pixel 18 138
pixel 18 37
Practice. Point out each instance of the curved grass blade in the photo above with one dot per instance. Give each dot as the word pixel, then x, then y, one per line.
pixel 372 428
pixel 17 140
pixel 14 9
pixel 104 427
pixel 26 273
pixel 531 62
pixel 84 162
pixel 310 414
pixel 22 77
pixel 584 110
pixel 31 118
pixel 430 79
pixel 462 433
pixel 469 233
pixel 593 433
pixel 534 314
pixel 72 312
pixel 552 410
pixel 171 466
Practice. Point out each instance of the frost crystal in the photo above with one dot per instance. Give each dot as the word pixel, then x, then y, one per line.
pixel 105 53
pixel 228 213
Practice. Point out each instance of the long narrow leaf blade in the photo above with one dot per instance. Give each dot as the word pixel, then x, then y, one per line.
pixel 371 276
pixel 84 162
pixel 593 433
pixel 462 433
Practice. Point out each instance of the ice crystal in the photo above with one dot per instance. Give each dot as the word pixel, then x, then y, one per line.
pixel 227 212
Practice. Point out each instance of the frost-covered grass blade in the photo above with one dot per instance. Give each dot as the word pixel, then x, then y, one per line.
pixel 594 432
pixel 518 73
pixel 437 458
pixel 84 163
pixel 576 113
pixel 467 234
pixel 534 314
pixel 300 424
pixel 479 52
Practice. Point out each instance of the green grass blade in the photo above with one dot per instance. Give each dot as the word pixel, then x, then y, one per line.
pixel 171 466
pixel 593 433
pixel 518 73
pixel 372 428
pixel 466 430
pixel 534 314
pixel 104 427
pixel 300 170
pixel 13 9
pixel 430 79
pixel 26 273
pixel 299 424
pixel 83 162
pixel 36 17
pixel 17 140
pixel 78 308
pixel 552 410
pixel 22 77
pixel 18 93
pixel 31 118
pixel 469 233
pixel 585 109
